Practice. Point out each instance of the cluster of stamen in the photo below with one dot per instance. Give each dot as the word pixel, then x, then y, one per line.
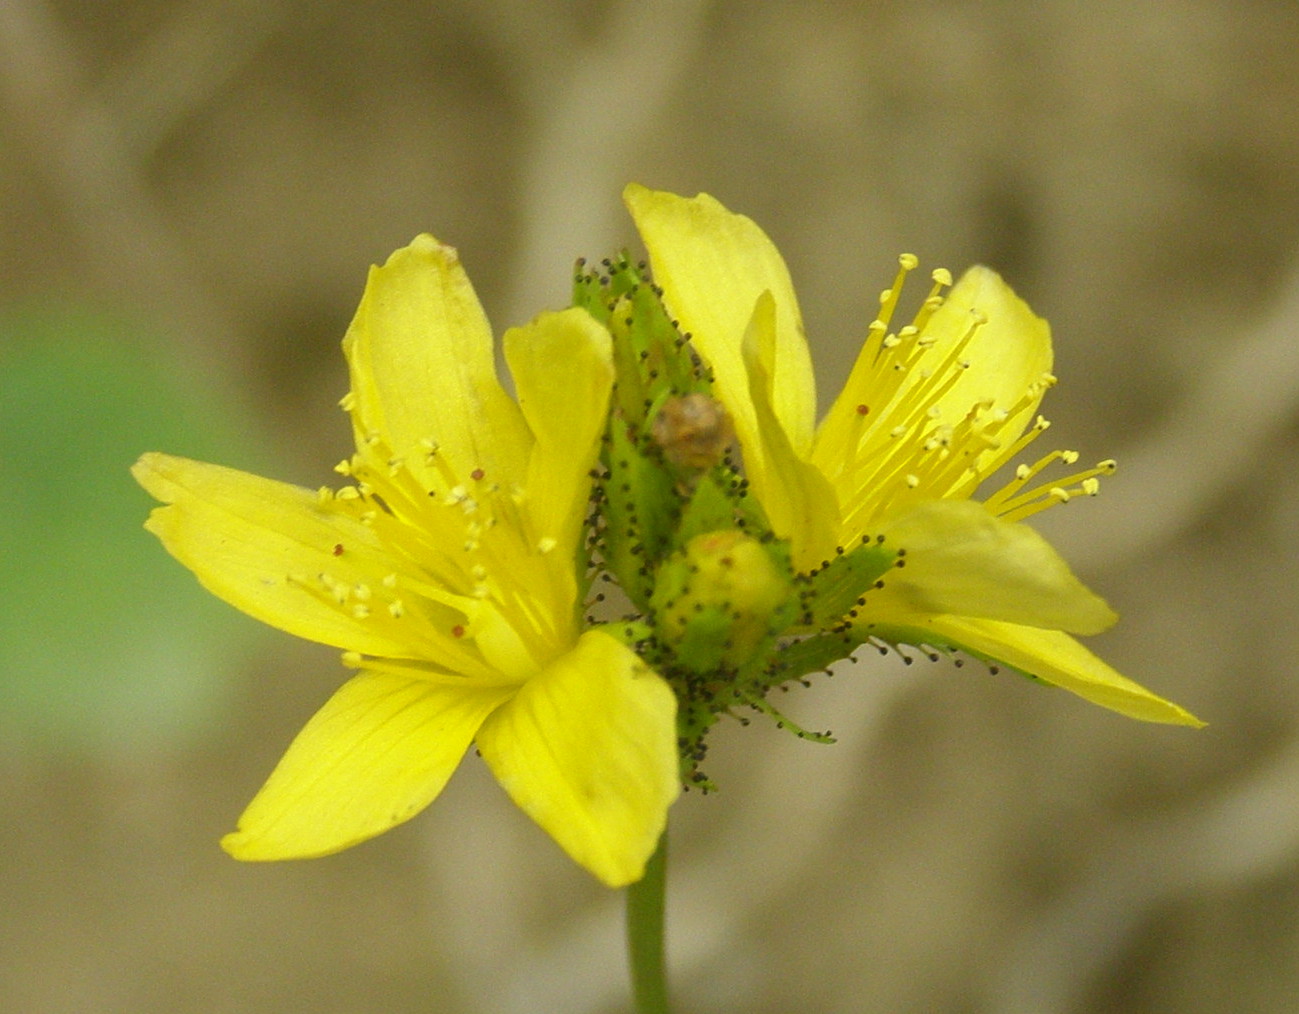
pixel 449 536
pixel 895 447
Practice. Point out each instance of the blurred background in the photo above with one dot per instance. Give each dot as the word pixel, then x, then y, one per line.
pixel 190 194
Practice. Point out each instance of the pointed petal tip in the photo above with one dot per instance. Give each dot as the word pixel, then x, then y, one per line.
pixel 1048 656
pixel 145 471
pixel 426 243
pixel 249 847
pixel 426 246
pixel 238 845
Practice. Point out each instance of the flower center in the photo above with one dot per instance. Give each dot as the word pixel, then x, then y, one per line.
pixel 451 537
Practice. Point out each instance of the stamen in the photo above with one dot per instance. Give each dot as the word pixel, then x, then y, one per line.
pixel 889 298
pixel 1084 483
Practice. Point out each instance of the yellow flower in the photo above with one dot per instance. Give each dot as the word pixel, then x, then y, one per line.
pixel 928 413
pixel 450 572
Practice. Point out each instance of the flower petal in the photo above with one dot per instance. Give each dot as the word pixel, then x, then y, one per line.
pixel 263 546
pixel 712 265
pixel 562 365
pixel 963 561
pixel 588 749
pixel 377 753
pixel 1008 355
pixel 1046 655
pixel 799 502
pixel 423 369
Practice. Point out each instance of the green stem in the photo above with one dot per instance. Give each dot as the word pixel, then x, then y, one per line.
pixel 645 908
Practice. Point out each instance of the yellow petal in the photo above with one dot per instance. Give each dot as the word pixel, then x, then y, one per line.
pixel 423 369
pixel 800 504
pixel 263 546
pixel 1008 354
pixel 562 365
pixel 376 754
pixel 1047 655
pixel 588 749
pixel 963 561
pixel 713 265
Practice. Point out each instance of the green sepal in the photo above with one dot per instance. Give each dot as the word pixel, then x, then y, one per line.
pixel 784 722
pixel 933 646
pixel 798 659
pixel 831 592
pixel 640 509
pixel 652 360
pixel 711 508
pixel 632 633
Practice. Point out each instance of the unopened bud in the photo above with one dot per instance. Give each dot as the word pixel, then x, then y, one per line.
pixel 721 599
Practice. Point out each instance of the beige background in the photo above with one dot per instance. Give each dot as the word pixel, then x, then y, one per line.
pixel 227 170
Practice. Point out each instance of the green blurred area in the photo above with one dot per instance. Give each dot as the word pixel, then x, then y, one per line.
pixel 109 645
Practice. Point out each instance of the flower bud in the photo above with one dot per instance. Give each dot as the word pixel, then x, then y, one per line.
pixel 721 600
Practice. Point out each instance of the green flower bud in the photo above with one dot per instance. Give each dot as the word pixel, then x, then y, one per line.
pixel 722 600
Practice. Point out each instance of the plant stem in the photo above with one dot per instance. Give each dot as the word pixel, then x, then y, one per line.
pixel 645 910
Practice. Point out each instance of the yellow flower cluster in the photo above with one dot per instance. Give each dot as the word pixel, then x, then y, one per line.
pixel 452 565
